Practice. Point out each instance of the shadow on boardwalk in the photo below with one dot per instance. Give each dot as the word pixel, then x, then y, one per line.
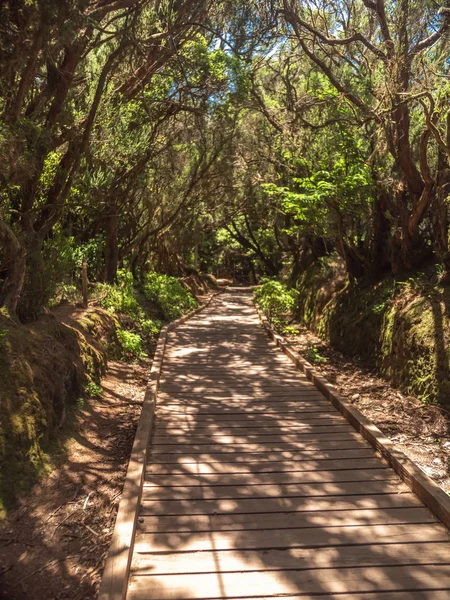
pixel 258 488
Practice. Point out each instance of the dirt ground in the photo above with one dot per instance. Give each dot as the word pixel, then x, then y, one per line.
pixel 422 432
pixel 54 545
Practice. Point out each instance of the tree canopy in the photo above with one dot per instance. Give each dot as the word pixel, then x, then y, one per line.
pixel 243 137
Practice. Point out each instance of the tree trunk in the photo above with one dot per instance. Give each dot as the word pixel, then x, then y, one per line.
pixel 112 246
pixel 15 268
pixel 440 217
pixel 380 232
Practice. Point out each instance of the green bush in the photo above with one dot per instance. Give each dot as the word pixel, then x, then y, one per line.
pixel 150 327
pixel 131 344
pixel 166 296
pixel 169 295
pixel 121 297
pixel 312 354
pixel 276 301
pixel 93 390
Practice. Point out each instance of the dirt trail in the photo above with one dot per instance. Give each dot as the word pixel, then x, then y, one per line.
pixel 54 545
pixel 422 432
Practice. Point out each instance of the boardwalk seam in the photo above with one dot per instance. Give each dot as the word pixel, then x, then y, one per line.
pixel 114 583
pixel 418 481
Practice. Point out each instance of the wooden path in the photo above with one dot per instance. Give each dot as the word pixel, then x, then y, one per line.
pixel 256 487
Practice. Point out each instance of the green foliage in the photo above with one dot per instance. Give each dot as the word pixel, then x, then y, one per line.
pixel 131 344
pixel 290 330
pixel 169 295
pixel 62 258
pixel 312 354
pixel 121 297
pixel 276 301
pixel 136 307
pixel 93 252
pixel 150 328
pixel 49 171
pixel 318 201
pixel 92 390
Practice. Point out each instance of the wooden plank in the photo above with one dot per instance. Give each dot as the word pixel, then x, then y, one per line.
pixel 383 499
pixel 283 520
pixel 338 440
pixel 331 433
pixel 370 471
pixel 205 370
pixel 195 388
pixel 274 584
pixel 254 382
pixel 176 426
pixel 282 376
pixel 295 558
pixel 244 436
pixel 366 460
pixel 207 411
pixel 255 394
pixel 296 490
pixel 203 355
pixel 233 405
pixel 300 399
pixel 250 434
pixel 238 418
pixel 241 459
pixel 243 400
pixel 183 424
pixel 316 537
pixel 256 426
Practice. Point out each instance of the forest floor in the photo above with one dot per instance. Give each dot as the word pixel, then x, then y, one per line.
pixel 53 546
pixel 421 431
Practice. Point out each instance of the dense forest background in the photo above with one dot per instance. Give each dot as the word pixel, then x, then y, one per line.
pixel 245 138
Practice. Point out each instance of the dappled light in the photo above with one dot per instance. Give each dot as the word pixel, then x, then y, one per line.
pixel 257 487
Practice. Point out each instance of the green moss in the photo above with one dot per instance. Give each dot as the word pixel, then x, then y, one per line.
pixel 43 367
pixel 400 328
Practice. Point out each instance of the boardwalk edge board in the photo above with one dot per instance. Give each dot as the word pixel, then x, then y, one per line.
pixel 117 568
pixel 418 481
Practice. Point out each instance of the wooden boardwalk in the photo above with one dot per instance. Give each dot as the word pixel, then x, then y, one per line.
pixel 256 487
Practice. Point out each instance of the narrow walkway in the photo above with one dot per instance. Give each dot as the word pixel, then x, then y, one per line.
pixel 258 488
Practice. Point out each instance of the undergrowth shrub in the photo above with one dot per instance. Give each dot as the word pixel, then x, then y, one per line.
pixel 130 343
pixel 169 295
pixel 276 301
pixel 313 355
pixel 121 297
pixel 136 306
pixel 150 327
pixel 93 390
